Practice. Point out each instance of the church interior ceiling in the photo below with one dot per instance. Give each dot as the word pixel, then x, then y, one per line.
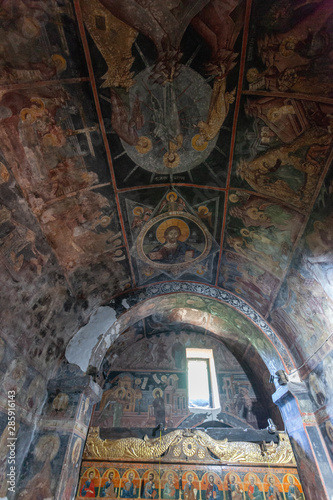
pixel 165 175
pixel 173 141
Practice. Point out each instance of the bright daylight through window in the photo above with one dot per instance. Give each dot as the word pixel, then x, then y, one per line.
pixel 202 383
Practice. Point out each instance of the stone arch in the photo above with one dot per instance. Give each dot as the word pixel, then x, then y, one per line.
pixel 224 315
pixel 219 311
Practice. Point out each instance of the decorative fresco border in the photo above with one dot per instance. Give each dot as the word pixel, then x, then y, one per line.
pixel 215 293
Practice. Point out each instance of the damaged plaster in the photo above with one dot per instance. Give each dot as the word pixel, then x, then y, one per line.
pixel 82 346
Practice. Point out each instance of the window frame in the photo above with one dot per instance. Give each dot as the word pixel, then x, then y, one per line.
pixel 193 353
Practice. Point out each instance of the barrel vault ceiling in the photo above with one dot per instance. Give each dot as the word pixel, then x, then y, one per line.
pixel 165 140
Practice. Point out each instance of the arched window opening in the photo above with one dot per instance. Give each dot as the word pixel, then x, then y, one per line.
pixel 202 381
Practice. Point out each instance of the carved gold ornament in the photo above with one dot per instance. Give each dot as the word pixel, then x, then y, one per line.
pixel 183 444
pixel 177 451
pixel 189 447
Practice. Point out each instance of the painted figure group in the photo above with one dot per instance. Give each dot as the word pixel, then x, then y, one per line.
pixel 211 487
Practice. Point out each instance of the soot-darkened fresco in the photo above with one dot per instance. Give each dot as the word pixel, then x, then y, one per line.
pixel 155 142
pixel 148 143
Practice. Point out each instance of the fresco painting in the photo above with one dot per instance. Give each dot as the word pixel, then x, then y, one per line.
pixel 165 112
pixel 144 398
pixel 170 485
pixel 293 45
pixel 291 171
pixel 54 151
pixel 28 384
pixel 190 484
pixel 316 259
pixel 150 484
pixel 89 484
pixel 253 487
pixel 110 484
pixel 321 455
pixel 327 432
pixel 27 55
pixel 156 349
pixel 306 461
pixel 261 231
pixel 253 283
pixel 118 126
pixel 69 479
pixel 313 315
pixel 288 143
pixel 198 482
pixel 130 484
pixel 272 487
pixel 37 470
pixel 49 134
pixel 172 238
pixel 211 487
pixel 313 271
pixel 234 486
pixel 292 487
pixel 215 316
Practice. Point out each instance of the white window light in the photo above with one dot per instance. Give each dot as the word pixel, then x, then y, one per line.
pixel 202 382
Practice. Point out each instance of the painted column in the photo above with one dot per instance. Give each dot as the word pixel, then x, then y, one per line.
pixel 51 469
pixel 312 460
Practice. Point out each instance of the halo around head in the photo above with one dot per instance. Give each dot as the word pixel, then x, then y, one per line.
pixel 89 471
pixel 144 145
pixel 76 451
pixel 198 143
pixel 190 473
pixel 204 210
pixel 60 62
pixel 138 210
pixel 157 390
pixel 182 226
pixel 128 472
pixel 171 159
pixel 173 194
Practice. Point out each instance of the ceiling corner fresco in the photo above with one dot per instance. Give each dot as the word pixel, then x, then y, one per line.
pixel 144 142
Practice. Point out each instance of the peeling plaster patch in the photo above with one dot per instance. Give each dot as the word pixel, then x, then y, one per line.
pixel 82 345
pixel 112 335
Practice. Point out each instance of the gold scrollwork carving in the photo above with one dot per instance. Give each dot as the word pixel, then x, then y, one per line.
pixel 187 444
pixel 189 447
